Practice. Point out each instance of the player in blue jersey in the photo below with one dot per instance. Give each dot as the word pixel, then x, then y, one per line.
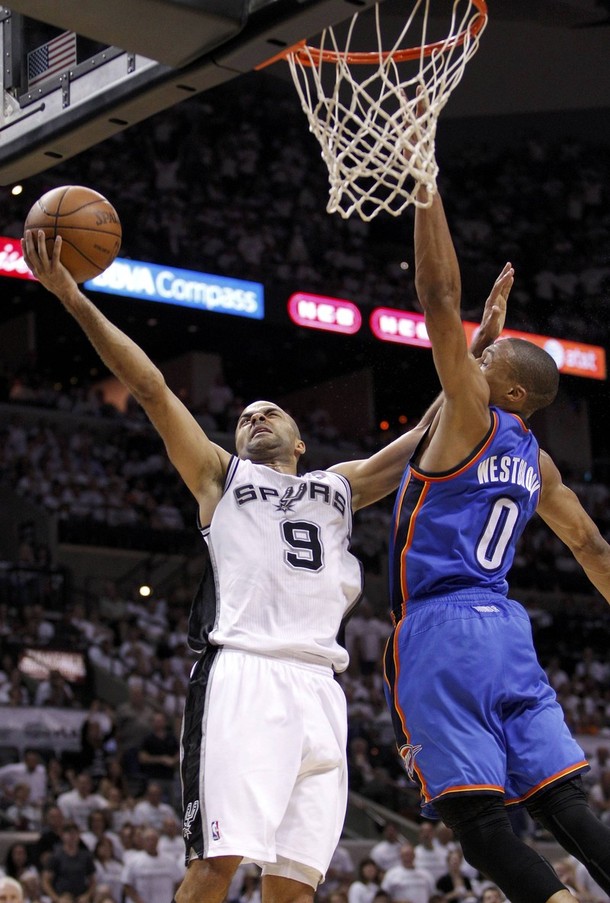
pixel 476 721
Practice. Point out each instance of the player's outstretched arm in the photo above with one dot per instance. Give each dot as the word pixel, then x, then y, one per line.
pixel 373 478
pixel 200 463
pixel 494 312
pixel 561 509
pixel 439 290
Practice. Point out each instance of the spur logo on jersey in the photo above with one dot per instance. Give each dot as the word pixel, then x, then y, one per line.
pixel 291 497
pixel 508 469
pixel 408 753
pixel 190 815
pixel 305 491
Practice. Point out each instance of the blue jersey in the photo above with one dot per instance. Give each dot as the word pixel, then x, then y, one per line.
pixel 472 709
pixel 459 529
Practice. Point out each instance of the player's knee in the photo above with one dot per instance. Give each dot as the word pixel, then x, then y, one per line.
pixel 282 890
pixel 564 810
pixel 474 820
pixel 212 875
pixel 489 844
pixel 288 881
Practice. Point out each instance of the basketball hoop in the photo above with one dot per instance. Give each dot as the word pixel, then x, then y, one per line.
pixel 377 126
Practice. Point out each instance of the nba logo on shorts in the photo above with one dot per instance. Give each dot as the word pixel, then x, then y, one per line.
pixel 215 831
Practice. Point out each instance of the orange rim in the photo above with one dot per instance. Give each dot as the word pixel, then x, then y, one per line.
pixel 312 56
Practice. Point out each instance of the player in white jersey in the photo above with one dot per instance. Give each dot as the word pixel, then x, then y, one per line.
pixel 264 734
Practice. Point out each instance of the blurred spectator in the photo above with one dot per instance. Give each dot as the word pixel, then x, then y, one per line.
pixel 70 869
pixel 591 666
pixel 406 882
pixel 150 876
pixel 37 629
pixel 54 691
pixel 30 771
pixel 558 678
pixel 99 827
pixel 599 762
pixel 14 690
pixel 50 836
pixel 151 810
pixel 429 852
pixel 120 807
pixel 96 751
pixel 366 885
pixel 135 652
pixel 359 762
pixel 131 839
pixel 159 756
pixel 22 815
pixel 386 852
pixel 115 778
pixel 78 804
pixel 599 796
pixel 32 889
pixel 57 780
pixel 133 723
pixel 454 883
pixel 446 838
pixel 171 842
pixel 108 869
pixel 365 636
pixel 112 603
pixel 493 894
pixel 11 890
pixel 17 861
pixel 104 656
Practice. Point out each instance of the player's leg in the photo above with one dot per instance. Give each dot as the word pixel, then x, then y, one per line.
pixel 564 811
pixel 276 889
pixel 241 758
pixel 313 820
pixel 207 880
pixel 488 842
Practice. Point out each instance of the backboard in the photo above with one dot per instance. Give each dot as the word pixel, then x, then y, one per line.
pixel 75 73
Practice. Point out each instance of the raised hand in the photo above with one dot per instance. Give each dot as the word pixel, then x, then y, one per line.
pixel 494 312
pixel 49 271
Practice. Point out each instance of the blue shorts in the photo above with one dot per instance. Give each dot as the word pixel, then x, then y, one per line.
pixel 473 711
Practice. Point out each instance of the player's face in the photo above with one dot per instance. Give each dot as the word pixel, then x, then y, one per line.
pixel 264 429
pixel 496 367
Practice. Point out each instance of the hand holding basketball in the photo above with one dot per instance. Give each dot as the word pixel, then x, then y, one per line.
pixel 88 224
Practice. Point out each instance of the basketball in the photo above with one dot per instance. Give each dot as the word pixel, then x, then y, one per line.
pixel 88 224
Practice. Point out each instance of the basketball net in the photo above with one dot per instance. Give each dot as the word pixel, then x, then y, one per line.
pixel 375 113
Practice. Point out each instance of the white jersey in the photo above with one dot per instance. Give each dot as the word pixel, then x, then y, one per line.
pixel 284 576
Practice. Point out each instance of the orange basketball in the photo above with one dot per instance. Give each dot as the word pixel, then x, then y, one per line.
pixel 88 224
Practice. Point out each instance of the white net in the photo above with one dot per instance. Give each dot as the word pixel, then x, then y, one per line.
pixel 375 114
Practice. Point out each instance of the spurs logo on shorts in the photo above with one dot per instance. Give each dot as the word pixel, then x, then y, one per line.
pixel 189 817
pixel 408 754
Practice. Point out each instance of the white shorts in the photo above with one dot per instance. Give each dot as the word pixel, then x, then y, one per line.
pixel 271 769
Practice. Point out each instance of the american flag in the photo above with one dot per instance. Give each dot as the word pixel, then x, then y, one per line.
pixel 52 58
